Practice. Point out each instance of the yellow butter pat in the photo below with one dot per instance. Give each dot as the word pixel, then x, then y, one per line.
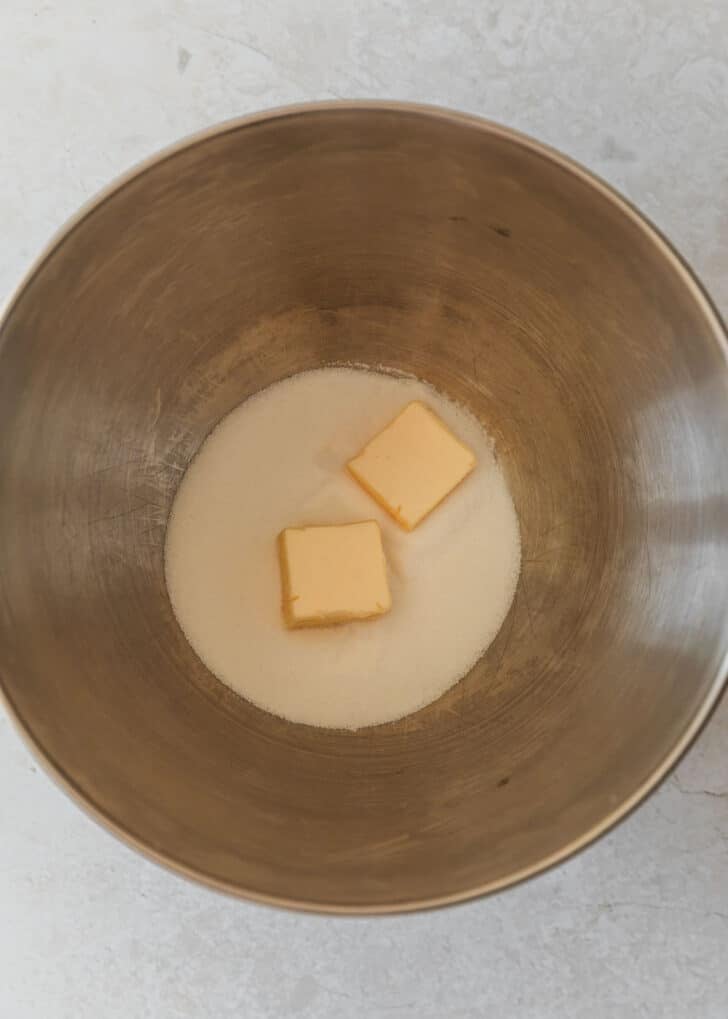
pixel 412 465
pixel 333 574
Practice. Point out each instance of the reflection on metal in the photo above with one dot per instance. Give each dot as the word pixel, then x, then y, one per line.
pixel 511 279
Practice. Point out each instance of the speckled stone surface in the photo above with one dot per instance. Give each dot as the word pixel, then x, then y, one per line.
pixel 637 926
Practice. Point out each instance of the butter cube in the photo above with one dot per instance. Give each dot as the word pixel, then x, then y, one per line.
pixel 412 464
pixel 333 574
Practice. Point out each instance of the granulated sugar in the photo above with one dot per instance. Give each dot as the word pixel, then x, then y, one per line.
pixel 278 460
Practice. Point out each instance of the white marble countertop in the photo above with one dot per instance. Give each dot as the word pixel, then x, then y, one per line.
pixel 636 926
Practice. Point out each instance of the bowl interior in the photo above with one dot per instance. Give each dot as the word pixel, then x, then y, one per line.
pixel 430 243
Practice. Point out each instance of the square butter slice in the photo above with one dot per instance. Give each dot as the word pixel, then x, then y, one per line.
pixel 412 464
pixel 333 574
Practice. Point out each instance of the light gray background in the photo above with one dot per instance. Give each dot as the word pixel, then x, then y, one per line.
pixel 637 925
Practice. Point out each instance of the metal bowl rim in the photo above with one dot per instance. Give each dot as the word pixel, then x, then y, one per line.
pixel 689 280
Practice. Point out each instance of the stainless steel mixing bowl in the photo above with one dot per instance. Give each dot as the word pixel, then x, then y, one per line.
pixel 515 282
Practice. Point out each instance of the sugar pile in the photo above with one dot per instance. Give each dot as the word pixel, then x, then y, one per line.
pixel 278 461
